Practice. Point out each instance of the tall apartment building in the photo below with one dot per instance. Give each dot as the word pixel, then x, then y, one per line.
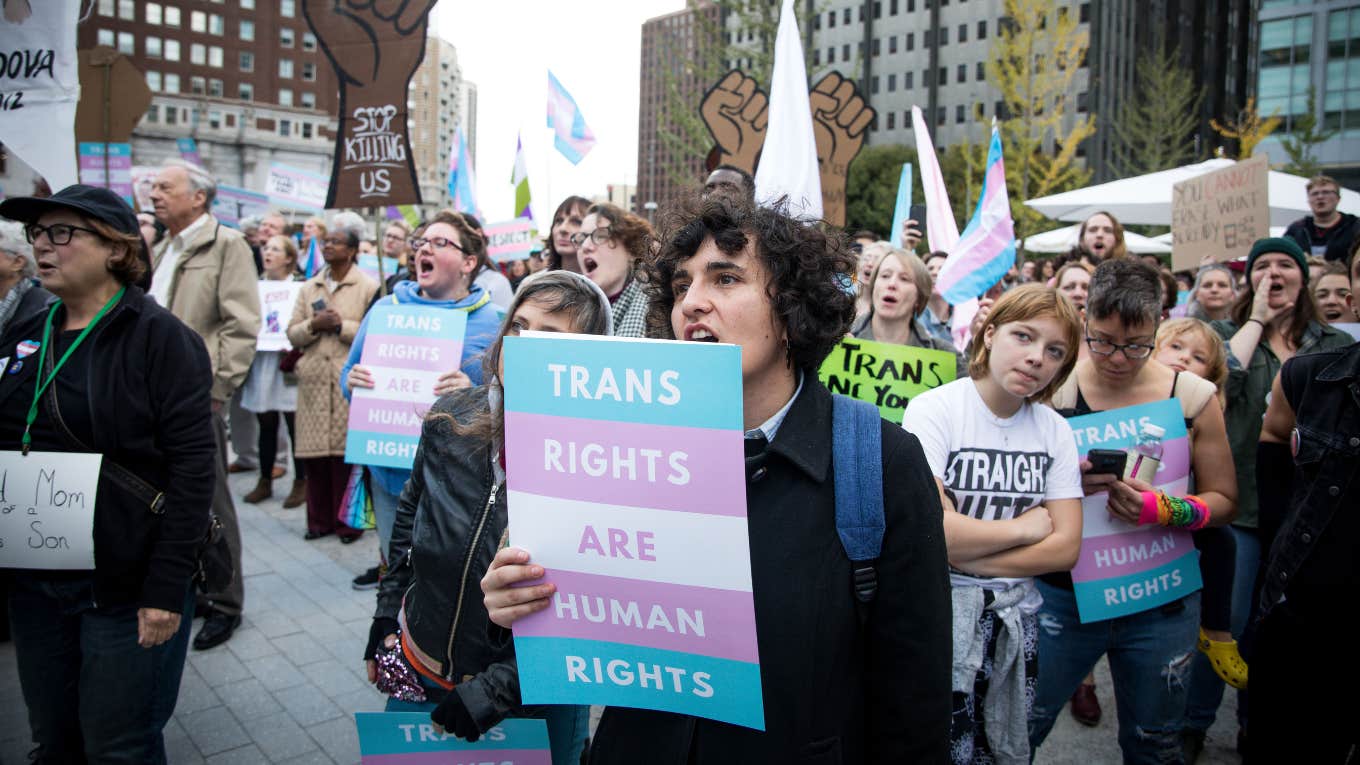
pixel 670 45
pixel 467 107
pixel 434 104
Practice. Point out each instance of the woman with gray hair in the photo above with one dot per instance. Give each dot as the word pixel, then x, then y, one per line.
pixel 20 294
pixel 1212 295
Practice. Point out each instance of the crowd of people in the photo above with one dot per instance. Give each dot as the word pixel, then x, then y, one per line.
pixel 133 336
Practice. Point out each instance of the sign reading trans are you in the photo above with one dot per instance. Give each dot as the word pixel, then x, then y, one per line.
pixel 627 484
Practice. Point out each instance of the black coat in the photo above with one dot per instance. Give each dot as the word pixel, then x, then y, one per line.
pixel 148 386
pixel 833 692
pixel 1338 247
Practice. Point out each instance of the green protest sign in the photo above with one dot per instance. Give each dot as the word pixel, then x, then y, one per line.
pixel 885 374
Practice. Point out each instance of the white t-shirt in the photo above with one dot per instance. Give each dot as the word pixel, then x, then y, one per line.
pixel 995 467
pixel 497 286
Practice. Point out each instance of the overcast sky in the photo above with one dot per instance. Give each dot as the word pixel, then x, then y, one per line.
pixel 507 46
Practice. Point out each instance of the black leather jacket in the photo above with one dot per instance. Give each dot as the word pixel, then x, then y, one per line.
pixel 449 524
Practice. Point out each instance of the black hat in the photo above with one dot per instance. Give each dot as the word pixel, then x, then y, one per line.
pixel 101 204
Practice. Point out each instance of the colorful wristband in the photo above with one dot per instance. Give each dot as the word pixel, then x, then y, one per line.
pixel 1188 512
pixel 1150 505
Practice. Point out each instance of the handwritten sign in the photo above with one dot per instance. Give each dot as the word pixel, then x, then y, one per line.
pixel 277 299
pixel 409 738
pixel 1220 214
pixel 47 509
pixel 627 483
pixel 406 348
pixel 510 240
pixel 40 85
pixel 232 204
pixel 886 375
pixel 1123 568
pixel 292 187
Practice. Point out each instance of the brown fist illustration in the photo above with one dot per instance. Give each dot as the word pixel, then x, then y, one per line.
pixel 735 112
pixel 839 118
pixel 370 42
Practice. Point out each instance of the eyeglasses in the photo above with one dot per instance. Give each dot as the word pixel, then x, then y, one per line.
pixel 1323 193
pixel 1132 351
pixel 598 236
pixel 57 233
pixel 437 242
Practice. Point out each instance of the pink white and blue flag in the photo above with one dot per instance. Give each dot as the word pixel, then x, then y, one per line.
pixel 312 262
pixel 462 181
pixel 986 248
pixel 572 136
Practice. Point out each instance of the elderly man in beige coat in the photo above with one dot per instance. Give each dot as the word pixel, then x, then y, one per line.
pixel 205 275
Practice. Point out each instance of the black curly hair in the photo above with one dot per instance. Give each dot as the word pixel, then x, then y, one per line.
pixel 807 267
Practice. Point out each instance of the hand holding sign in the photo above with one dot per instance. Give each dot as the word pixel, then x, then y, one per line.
pixel 735 112
pixel 506 599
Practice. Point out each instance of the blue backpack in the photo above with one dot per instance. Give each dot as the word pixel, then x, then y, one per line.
pixel 857 461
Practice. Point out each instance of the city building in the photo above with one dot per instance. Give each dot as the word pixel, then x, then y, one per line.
pixel 467 107
pixel 622 195
pixel 434 111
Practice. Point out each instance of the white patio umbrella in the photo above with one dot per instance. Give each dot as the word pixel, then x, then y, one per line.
pixel 1147 198
pixel 1166 238
pixel 1065 238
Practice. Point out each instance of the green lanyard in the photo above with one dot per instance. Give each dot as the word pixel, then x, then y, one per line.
pixel 47 335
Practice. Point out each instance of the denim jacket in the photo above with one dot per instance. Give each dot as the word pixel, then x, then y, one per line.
pixel 1324 390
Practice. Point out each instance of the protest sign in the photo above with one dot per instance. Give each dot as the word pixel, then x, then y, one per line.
pixel 277 299
pixel 232 204
pixel 409 738
pixel 406 348
pixel 296 188
pixel 39 86
pixel 47 509
pixel 109 166
pixel 188 150
pixel 627 484
pixel 374 51
pixel 886 375
pixel 1123 568
pixel 1220 214
pixel 510 240
pixel 371 265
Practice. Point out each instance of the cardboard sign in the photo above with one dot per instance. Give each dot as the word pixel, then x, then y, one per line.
pixel 886 375
pixel 375 51
pixel 627 484
pixel 232 204
pixel 409 738
pixel 292 187
pixel 39 86
pixel 1123 568
pixel 109 166
pixel 47 509
pixel 510 240
pixel 406 347
pixel 1220 214
pixel 277 299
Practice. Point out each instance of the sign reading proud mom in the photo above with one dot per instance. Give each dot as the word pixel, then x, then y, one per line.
pixel 627 484
pixel 406 347
pixel 1123 568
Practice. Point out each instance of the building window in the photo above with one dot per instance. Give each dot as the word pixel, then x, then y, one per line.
pixel 981 73
pixel 198 54
pixel 286 128
pixel 944 75
pixel 231 120
pixel 958 114
pixel 286 37
pixel 198 86
pixel 892 8
pixel 127 43
pixel 153 13
pixel 127 10
pixel 171 86
pixel 911 41
pixel 153 81
pixel 963 73
pixel 214 119
pixel 286 68
pixel 153 113
pixel 1341 97
pixel 878 9
pixel 309 72
pixel 944 36
pixel 963 33
pixel 308 41
pixel 831 55
pixel 245 91
pixel 287 8
pixel 892 83
pixel 831 20
pixel 306 130
pixel 105 7
pixel 927 38
pixel 247 30
pixel 892 44
pixel 845 52
pixel 941 116
pixel 215 56
pixel 307 99
pixel 171 49
pixel 817 55
pixel 982 30
pixel 873 84
pixel 248 5
pixel 215 87
pixel 874 47
pixel 845 17
pixel 216 26
pixel 1285 61
pixel 153 47
pixel 171 113
pixel 198 22
pixel 906 80
pixel 105 37
pixel 1085 13
pixel 247 61
pixel 172 16
pixel 892 120
pixel 285 96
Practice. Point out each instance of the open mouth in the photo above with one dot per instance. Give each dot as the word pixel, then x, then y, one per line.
pixel 588 265
pixel 1331 314
pixel 889 300
pixel 424 267
pixel 700 335
pixel 1276 288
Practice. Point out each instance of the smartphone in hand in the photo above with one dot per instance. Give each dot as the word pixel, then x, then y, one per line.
pixel 1107 461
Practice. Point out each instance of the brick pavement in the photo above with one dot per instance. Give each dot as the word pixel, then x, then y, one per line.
pixel 285 687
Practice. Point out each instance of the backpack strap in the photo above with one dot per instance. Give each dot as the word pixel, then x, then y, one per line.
pixel 857 459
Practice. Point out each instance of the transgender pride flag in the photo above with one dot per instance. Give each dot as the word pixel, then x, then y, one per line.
pixel 986 248
pixel 462 182
pixel 572 136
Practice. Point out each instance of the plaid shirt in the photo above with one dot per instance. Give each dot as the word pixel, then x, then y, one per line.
pixel 630 311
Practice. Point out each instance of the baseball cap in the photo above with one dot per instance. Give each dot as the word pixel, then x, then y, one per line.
pixel 101 204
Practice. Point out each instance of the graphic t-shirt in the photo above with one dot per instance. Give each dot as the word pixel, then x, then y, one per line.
pixel 994 467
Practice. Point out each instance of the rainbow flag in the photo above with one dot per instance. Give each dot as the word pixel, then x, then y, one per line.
pixel 520 178
pixel 462 181
pixel 986 248
pixel 573 137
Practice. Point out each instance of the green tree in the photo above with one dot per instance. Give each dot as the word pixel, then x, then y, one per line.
pixel 871 192
pixel 1301 140
pixel 1154 128
pixel 1247 128
pixel 1033 62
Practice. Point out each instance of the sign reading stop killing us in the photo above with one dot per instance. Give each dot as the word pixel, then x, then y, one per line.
pixel 47 509
pixel 1123 568
pixel 409 738
pixel 406 348
pixel 626 481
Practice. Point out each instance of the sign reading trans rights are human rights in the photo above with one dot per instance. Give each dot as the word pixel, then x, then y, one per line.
pixel 406 348
pixel 627 484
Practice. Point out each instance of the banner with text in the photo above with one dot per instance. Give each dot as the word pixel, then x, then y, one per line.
pixel 409 738
pixel 510 240
pixel 406 348
pixel 1220 214
pixel 47 509
pixel 232 204
pixel 109 166
pixel 627 484
pixel 276 310
pixel 372 266
pixel 886 375
pixel 296 188
pixel 1124 568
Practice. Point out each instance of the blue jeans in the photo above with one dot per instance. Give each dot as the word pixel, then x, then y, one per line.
pixel 384 514
pixel 568 726
pixel 92 693
pixel 1149 653
pixel 1206 687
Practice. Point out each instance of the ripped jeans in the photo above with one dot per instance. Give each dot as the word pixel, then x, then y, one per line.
pixel 1150 657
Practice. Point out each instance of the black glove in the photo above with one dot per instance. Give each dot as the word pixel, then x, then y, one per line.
pixel 454 716
pixel 382 627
